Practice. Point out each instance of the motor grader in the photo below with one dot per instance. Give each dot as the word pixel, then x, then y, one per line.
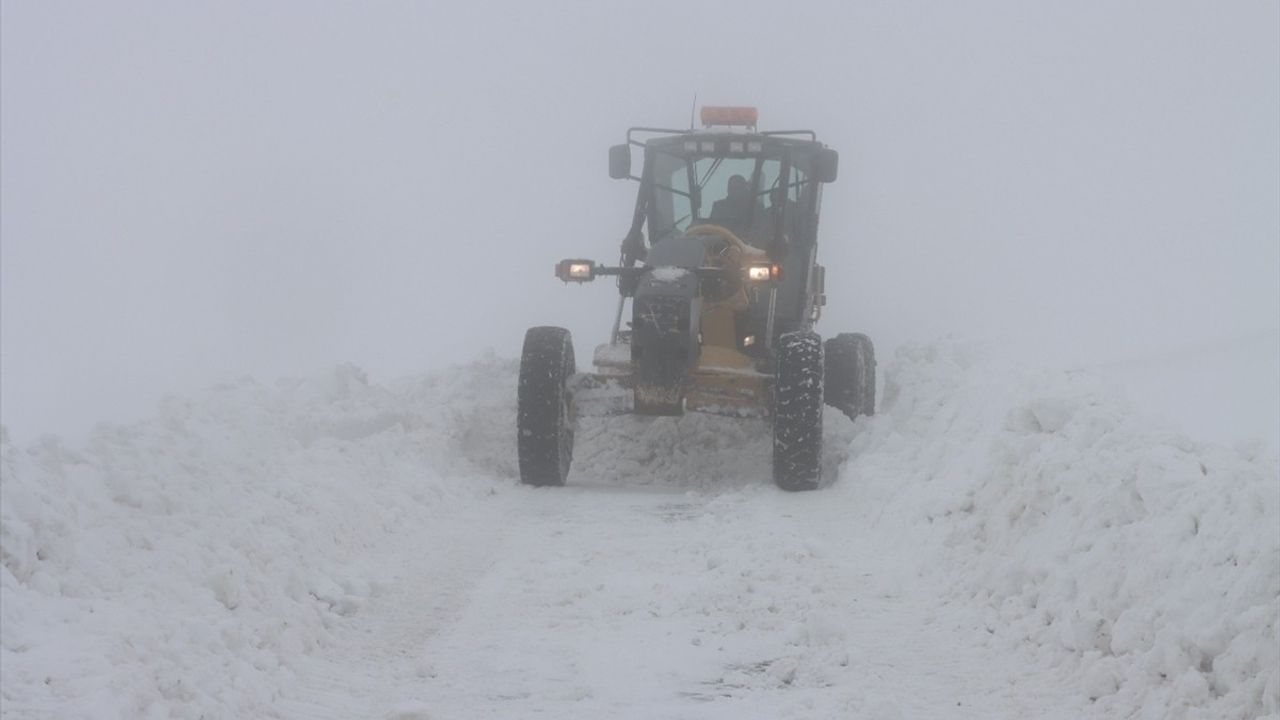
pixel 723 298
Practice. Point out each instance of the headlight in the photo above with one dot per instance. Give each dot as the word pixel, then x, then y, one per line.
pixel 763 273
pixel 576 270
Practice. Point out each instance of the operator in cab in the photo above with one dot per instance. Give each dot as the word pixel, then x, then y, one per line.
pixel 738 208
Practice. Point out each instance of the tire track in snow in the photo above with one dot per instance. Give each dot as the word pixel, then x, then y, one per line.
pixel 428 576
pixel 604 601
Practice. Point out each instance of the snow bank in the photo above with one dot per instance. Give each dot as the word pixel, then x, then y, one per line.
pixel 1152 561
pixel 181 566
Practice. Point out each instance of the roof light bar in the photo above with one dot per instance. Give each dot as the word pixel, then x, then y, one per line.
pixel 725 115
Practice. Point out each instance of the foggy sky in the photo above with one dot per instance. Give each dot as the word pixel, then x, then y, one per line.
pixel 194 191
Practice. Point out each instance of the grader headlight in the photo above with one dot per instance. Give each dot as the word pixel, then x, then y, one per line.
pixel 764 272
pixel 576 270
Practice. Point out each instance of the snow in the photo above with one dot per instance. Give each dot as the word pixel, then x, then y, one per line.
pixel 1151 560
pixel 668 273
pixel 1000 542
pixel 181 566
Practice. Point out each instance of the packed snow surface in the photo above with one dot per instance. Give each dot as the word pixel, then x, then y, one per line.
pixel 997 543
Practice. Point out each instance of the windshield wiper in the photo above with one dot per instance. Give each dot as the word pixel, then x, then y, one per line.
pixel 710 171
pixel 671 189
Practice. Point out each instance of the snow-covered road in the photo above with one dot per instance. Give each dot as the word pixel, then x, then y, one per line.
pixel 997 543
pixel 605 601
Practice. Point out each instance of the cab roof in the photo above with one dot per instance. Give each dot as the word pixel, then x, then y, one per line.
pixel 730 122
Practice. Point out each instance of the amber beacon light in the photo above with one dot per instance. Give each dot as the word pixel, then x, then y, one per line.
pixel 723 115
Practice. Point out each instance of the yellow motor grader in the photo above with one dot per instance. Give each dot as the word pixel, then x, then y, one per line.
pixel 723 299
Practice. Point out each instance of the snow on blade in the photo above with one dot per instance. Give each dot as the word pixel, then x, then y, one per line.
pixel 668 273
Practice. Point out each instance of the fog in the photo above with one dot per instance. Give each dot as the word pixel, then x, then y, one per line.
pixel 196 191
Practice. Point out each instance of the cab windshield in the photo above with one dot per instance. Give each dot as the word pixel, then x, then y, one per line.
pixel 741 193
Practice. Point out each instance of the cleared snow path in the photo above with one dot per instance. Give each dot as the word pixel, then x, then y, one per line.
pixel 603 601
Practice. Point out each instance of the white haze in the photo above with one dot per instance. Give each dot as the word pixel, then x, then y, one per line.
pixel 195 191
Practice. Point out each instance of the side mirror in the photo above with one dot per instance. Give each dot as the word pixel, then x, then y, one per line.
pixel 826 165
pixel 620 161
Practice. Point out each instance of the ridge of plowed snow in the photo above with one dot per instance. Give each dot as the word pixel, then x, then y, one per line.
pixel 1150 560
pixel 200 564
pixel 180 566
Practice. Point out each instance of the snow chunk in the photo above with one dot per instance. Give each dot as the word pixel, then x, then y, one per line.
pixel 667 273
